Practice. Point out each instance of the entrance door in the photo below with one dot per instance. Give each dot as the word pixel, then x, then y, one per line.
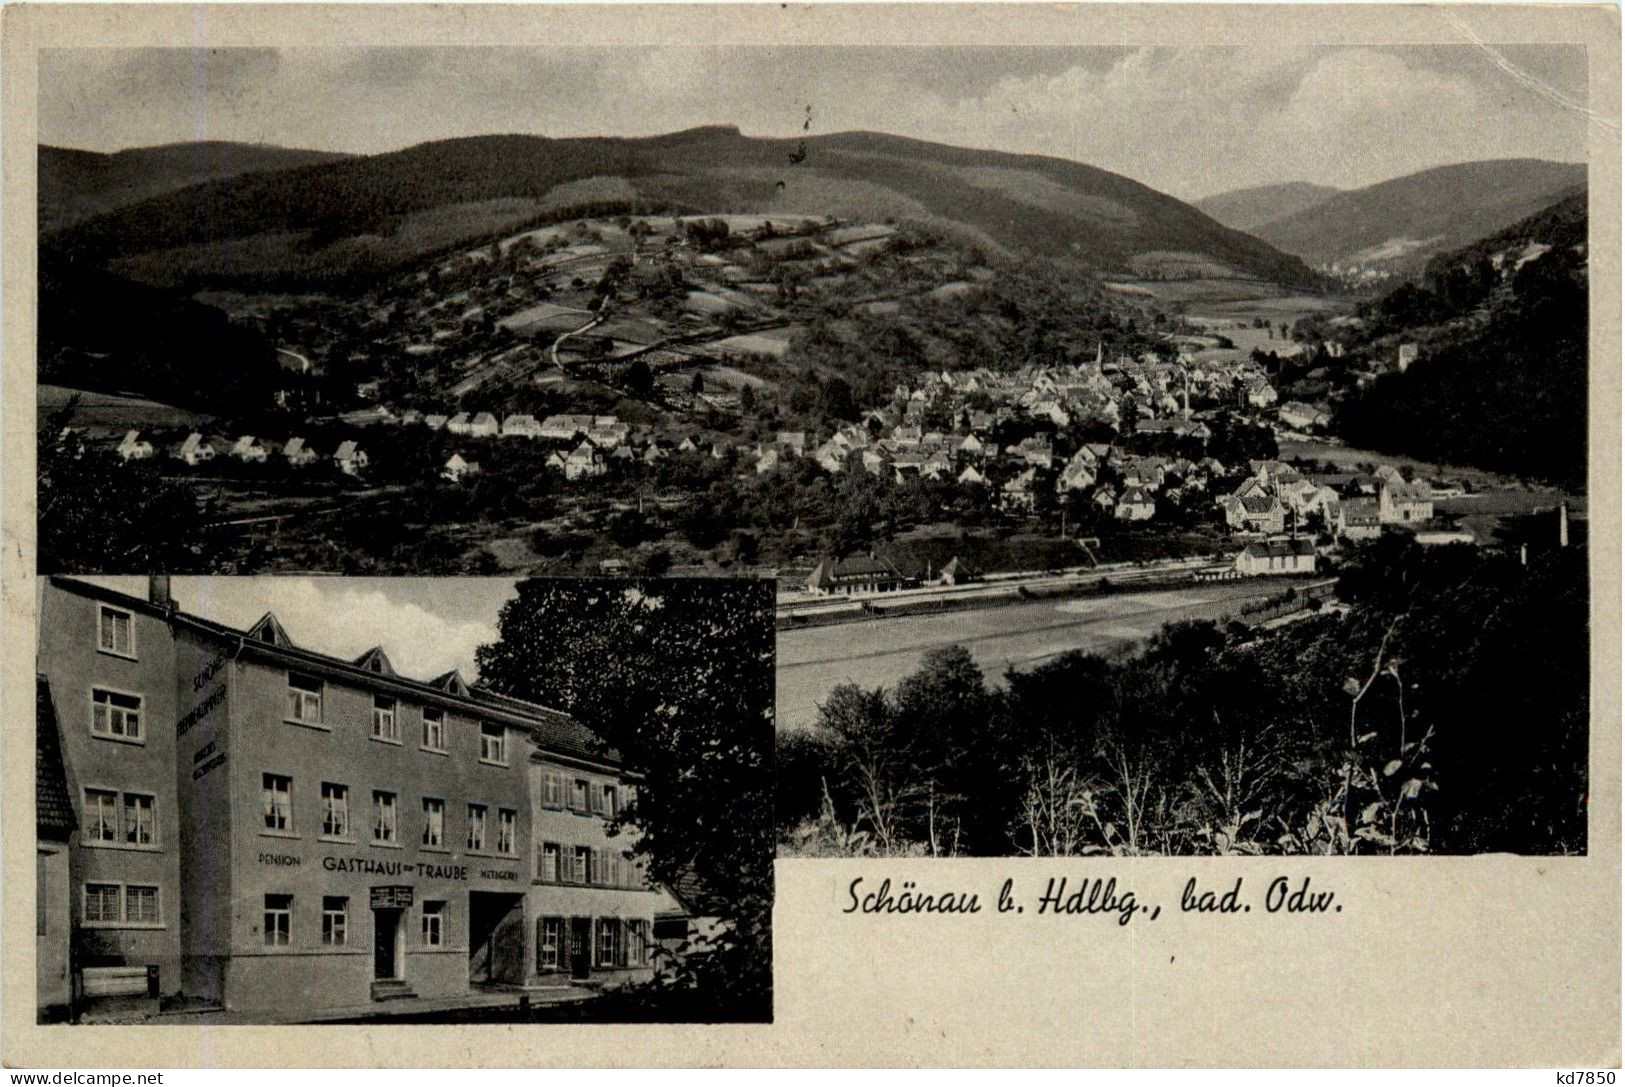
pixel 580 947
pixel 386 932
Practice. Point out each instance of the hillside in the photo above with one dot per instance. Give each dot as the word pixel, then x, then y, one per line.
pixel 1501 374
pixel 368 214
pixel 1395 226
pixel 75 185
pixel 1249 209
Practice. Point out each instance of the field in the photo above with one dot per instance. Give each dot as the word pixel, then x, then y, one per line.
pixel 813 660
pixel 110 413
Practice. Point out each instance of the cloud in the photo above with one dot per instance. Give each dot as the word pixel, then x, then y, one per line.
pixel 1187 121
pixel 345 617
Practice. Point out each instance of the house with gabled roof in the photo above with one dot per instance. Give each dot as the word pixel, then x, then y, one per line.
pixel 1135 504
pixel 457 468
pixel 250 450
pixel 194 450
pixel 297 453
pixel 350 458
pixel 134 447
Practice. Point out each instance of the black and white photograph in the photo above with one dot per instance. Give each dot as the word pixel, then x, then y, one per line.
pixel 343 800
pixel 712 521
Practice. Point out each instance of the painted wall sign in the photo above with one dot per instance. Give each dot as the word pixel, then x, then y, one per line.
pixel 393 897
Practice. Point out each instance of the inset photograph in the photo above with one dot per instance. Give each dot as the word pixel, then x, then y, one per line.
pixel 292 800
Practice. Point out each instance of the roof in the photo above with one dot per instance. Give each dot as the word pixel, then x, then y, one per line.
pixel 53 810
pixel 830 571
pixel 1260 503
pixel 552 730
pixel 1265 549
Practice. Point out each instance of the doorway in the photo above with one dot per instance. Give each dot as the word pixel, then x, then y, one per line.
pixel 496 938
pixel 386 944
pixel 580 947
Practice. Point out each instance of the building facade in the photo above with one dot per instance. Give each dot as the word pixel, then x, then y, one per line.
pixel 273 828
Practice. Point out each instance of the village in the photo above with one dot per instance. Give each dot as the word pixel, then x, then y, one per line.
pixel 1112 444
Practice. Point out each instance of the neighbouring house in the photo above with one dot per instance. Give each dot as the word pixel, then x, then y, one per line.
pixel 1407 355
pixel 54 827
pixel 1301 416
pixel 1359 519
pixel 521 426
pixel 250 449
pixel 458 468
pixel 955 572
pixel 1135 504
pixel 1260 394
pixel 1280 556
pixel 584 461
pixel 1256 511
pixel 298 453
pixel 766 461
pixel 459 423
pixel 1078 475
pixel 484 425
pixel 350 458
pixel 1017 494
pixel 973 477
pixel 856 574
pixel 435 422
pixel 195 450
pixel 134 447
pixel 1404 503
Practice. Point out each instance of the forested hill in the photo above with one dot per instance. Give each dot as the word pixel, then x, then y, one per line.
pixel 1500 378
pixel 1019 203
pixel 75 185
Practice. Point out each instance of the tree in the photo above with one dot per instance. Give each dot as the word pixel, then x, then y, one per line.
pixel 677 676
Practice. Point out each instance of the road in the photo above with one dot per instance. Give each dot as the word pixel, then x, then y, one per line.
pixel 813 660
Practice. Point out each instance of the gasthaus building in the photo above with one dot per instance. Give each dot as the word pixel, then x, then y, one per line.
pixel 264 827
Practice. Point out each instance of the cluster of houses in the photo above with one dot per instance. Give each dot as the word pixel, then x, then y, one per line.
pixel 197 449
pixel 1350 505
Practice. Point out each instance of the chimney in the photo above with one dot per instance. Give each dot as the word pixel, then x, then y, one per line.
pixel 1563 525
pixel 158 591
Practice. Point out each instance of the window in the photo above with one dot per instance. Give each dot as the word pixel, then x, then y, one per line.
pixel 101 816
pixel 476 827
pixel 434 930
pixel 278 920
pixel 140 905
pixel 578 795
pixel 609 941
pixel 115 714
pixel 434 822
pixel 335 810
pixel 139 828
pixel 582 872
pixel 304 699
pixel 104 903
pixel 549 943
pixel 548 865
pixel 611 805
pixel 552 790
pixel 114 633
pixel 494 744
pixel 383 816
pixel 507 822
pixel 637 940
pixel 434 730
pixel 277 792
pixel 383 720
pixel 335 920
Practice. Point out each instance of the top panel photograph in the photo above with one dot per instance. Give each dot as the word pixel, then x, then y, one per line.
pixel 883 323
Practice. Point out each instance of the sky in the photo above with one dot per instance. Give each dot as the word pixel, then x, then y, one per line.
pixel 1190 122
pixel 427 626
